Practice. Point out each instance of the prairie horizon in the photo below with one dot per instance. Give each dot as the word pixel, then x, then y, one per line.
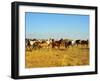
pixel 47 25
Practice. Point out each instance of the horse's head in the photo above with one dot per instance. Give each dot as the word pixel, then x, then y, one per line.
pixel 52 40
pixel 61 40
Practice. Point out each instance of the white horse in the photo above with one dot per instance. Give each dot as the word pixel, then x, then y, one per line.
pixel 32 42
pixel 49 41
pixel 73 42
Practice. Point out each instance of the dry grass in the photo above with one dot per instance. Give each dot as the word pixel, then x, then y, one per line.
pixel 48 57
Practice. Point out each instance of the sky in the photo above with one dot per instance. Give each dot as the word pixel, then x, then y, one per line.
pixel 57 26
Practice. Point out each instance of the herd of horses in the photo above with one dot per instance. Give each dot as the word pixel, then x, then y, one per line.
pixel 52 43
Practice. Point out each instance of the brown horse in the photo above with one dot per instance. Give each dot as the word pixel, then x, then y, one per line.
pixel 56 43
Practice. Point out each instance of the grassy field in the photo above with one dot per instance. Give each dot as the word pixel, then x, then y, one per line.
pixel 53 57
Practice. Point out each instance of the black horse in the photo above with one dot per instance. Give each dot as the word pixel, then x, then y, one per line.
pixel 78 42
pixel 84 42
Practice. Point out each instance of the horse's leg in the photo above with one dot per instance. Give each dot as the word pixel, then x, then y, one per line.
pixel 31 48
pixel 28 48
pixel 87 45
pixel 48 46
pixel 53 45
pixel 66 46
pixel 77 44
pixel 58 46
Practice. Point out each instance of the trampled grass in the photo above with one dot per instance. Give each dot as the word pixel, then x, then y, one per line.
pixel 54 57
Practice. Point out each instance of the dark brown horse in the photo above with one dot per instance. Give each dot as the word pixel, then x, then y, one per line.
pixel 56 43
pixel 78 42
pixel 84 42
pixel 68 43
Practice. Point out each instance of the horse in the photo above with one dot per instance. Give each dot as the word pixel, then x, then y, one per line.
pixel 32 44
pixel 49 42
pixel 78 42
pixel 84 42
pixel 69 43
pixel 56 43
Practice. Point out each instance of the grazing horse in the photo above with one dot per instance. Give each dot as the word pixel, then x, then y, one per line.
pixel 56 43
